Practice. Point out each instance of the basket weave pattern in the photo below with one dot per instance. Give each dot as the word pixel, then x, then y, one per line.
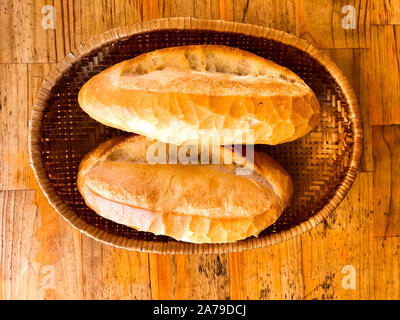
pixel 323 164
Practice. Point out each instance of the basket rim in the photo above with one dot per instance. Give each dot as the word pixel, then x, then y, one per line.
pixel 177 247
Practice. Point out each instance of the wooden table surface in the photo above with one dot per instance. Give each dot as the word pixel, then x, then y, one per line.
pixel 354 254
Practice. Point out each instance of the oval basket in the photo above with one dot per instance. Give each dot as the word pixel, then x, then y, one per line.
pixel 323 164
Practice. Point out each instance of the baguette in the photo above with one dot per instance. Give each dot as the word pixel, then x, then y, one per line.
pixel 199 203
pixel 181 94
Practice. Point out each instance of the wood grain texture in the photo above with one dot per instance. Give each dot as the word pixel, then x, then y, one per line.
pixel 386 187
pixel 387 268
pixel 384 75
pixel 14 126
pixel 321 23
pixel 19 84
pixel 310 266
pixel 16 253
pixel 38 247
pixel 42 257
pixel 111 273
pixel 385 12
pixel 190 8
pixel 278 14
pixel 34 265
pixel 23 39
pixel 77 21
pixel 189 277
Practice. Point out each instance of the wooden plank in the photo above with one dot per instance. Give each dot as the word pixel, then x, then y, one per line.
pixel 344 239
pixel 189 277
pixel 321 23
pixel 276 14
pixel 384 75
pixel 310 266
pixel 385 12
pixel 126 274
pixel 43 257
pixel 271 273
pixel 35 265
pixel 111 273
pixel 23 38
pixel 386 268
pixel 386 187
pixel 58 256
pixel 85 18
pixel 355 65
pixel 85 268
pixel 365 107
pixel 206 9
pixel 14 129
pixel 19 84
pixel 17 276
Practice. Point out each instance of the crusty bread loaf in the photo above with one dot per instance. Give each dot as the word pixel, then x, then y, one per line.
pixel 200 203
pixel 180 94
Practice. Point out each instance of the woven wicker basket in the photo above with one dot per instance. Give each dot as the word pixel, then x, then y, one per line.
pixel 323 164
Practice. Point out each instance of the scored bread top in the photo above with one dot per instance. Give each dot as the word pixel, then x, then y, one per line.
pixel 194 202
pixel 209 70
pixel 122 174
pixel 181 94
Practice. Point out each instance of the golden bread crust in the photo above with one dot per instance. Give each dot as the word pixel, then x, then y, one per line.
pixel 177 95
pixel 194 203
